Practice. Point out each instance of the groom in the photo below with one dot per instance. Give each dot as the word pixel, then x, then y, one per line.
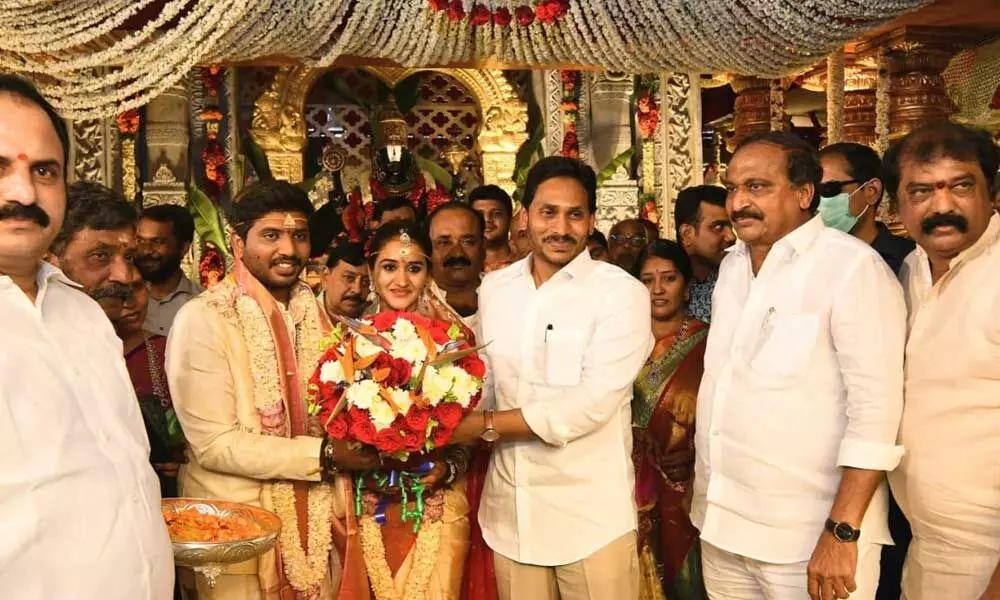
pixel 239 357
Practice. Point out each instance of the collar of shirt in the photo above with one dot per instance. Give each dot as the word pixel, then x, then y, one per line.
pixel 577 268
pixel 989 239
pixel 184 286
pixel 46 272
pixel 798 240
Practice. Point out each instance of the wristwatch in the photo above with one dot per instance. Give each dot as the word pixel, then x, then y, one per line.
pixel 842 532
pixel 490 435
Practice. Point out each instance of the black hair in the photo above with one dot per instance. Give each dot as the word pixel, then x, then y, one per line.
pixel 263 197
pixel 495 193
pixel 325 226
pixel 91 205
pixel 393 203
pixel 392 230
pixel 181 221
pixel 598 237
pixel 16 86
pixel 459 206
pixel 942 140
pixel 351 253
pixel 667 250
pixel 801 160
pixel 552 167
pixel 687 207
pixel 863 163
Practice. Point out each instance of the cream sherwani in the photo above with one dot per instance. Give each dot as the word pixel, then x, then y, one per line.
pixel 229 457
pixel 948 484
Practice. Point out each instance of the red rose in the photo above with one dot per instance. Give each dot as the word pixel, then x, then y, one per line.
pixel 439 4
pixel 384 320
pixel 362 430
pixel 416 419
pixel 473 365
pixel 480 15
pixel 439 332
pixel 449 414
pixel 441 436
pixel 525 15
pixel 455 10
pixel 389 441
pixel 400 372
pixel 413 441
pixel 337 428
pixel 501 17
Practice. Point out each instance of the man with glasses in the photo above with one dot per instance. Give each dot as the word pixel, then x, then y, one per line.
pixel 626 241
pixel 850 194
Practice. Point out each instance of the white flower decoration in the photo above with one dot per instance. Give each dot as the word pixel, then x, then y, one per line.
pixel 436 385
pixel 402 399
pixel 381 413
pixel 362 394
pixel 331 372
pixel 404 330
pixel 412 350
pixel 364 348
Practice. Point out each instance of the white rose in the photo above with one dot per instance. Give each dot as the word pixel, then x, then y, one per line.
pixel 331 372
pixel 362 394
pixel 402 399
pixel 382 415
pixel 412 350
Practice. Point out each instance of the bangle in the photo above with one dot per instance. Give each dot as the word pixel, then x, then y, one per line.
pixel 452 472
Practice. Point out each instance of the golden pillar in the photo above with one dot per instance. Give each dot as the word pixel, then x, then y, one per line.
pixel 860 99
pixel 752 109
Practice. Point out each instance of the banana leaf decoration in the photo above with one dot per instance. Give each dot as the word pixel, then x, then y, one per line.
pixel 439 173
pixel 527 155
pixel 257 158
pixel 613 166
pixel 207 221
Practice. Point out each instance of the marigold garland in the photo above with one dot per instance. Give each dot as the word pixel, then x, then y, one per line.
pixel 571 81
pixel 128 126
pixel 213 157
pixel 546 11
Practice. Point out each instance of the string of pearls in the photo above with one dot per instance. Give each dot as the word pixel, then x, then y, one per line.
pixel 78 53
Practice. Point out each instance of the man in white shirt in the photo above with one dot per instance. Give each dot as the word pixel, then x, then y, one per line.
pixel 947 484
pixel 80 504
pixel 567 337
pixel 800 401
pixel 458 255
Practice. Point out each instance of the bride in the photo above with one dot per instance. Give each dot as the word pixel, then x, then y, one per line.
pixel 390 558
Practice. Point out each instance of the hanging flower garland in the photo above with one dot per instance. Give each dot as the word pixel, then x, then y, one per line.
pixel 546 11
pixel 647 109
pixel 213 157
pixel 128 126
pixel 571 81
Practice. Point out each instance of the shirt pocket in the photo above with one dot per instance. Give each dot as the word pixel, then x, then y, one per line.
pixel 785 346
pixel 563 351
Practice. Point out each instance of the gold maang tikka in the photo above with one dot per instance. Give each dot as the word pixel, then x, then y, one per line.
pixel 404 240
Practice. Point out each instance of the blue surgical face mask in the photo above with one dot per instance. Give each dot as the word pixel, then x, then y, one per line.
pixel 836 211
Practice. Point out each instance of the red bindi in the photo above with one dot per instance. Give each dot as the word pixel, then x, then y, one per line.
pixel 22 156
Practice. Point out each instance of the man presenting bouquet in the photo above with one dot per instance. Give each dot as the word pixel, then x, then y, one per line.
pixel 239 358
pixel 567 337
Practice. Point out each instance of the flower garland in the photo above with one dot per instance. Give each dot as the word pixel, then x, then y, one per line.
pixel 426 547
pixel 882 109
pixel 835 97
pixel 213 157
pixel 128 126
pixel 304 571
pixel 546 11
pixel 647 108
pixel 571 112
pixel 69 49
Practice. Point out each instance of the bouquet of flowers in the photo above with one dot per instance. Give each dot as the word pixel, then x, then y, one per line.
pixel 399 382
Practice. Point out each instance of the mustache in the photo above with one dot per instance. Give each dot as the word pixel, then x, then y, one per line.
pixel 745 213
pixel 115 291
pixel 457 261
pixel 944 219
pixel 560 238
pixel 32 212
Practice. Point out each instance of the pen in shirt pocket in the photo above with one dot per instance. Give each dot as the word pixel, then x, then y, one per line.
pixel 765 329
pixel 545 337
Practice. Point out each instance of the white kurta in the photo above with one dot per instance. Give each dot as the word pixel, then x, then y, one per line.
pixel 948 484
pixel 79 503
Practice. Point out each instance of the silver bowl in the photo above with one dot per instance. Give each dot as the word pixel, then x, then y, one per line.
pixel 209 558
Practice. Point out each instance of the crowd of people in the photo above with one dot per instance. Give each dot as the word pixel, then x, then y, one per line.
pixel 763 408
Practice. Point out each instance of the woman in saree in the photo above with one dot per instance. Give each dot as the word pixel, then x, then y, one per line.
pixel 663 412
pixel 424 564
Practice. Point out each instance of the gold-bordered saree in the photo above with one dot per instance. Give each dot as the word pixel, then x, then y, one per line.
pixel 663 412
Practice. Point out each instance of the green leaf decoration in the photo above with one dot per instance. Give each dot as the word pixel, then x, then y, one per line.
pixel 257 158
pixel 529 152
pixel 454 331
pixel 613 166
pixel 407 93
pixel 207 221
pixel 439 173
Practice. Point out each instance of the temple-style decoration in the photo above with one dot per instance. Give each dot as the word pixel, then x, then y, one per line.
pixel 835 97
pixel 93 150
pixel 167 141
pixel 279 127
pixel 611 123
pixel 752 109
pixel 680 142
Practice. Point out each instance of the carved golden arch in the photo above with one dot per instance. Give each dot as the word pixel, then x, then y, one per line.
pixel 279 128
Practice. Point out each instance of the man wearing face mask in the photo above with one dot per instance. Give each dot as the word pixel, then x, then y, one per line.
pixel 946 483
pixel 239 357
pixel 850 194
